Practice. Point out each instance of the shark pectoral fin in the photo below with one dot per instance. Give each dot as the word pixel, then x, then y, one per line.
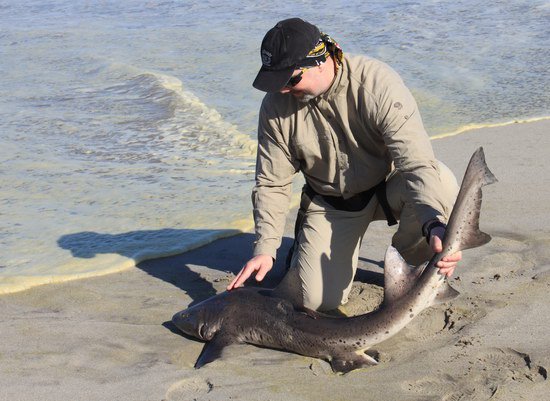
pixel 213 350
pixel 351 362
pixel 446 293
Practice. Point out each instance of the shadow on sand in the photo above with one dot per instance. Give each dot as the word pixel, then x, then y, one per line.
pixel 226 255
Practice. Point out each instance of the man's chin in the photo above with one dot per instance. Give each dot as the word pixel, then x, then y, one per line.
pixel 305 98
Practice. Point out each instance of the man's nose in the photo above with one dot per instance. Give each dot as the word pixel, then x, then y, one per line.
pixel 285 89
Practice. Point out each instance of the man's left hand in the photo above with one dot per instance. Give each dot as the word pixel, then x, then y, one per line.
pixel 448 263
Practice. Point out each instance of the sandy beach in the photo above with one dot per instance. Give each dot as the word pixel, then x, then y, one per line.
pixel 109 338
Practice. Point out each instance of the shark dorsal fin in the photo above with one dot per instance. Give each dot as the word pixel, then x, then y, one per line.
pixel 399 276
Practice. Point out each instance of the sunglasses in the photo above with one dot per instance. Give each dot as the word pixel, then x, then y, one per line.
pixel 295 80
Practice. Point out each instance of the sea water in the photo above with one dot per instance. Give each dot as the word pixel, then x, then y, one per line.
pixel 128 127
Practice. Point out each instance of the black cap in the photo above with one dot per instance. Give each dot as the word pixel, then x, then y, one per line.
pixel 283 47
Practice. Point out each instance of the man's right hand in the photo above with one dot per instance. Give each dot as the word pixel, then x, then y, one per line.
pixel 261 264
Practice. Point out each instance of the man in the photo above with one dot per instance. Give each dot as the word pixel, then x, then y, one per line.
pixel 353 129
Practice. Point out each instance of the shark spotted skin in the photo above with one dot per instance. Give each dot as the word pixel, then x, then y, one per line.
pixel 254 316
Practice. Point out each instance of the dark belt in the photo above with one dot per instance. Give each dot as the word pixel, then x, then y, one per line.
pixel 353 204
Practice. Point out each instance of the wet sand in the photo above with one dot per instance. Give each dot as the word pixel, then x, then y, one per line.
pixel 110 338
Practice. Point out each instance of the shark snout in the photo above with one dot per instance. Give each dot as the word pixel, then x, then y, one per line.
pixel 195 324
pixel 186 322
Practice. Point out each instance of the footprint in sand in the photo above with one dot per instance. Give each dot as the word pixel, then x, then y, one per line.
pixel 466 312
pixel 511 256
pixel 443 387
pixel 501 365
pixel 492 369
pixel 190 388
pixel 452 319
pixel 427 325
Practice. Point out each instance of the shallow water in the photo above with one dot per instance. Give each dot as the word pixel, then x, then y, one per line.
pixel 128 128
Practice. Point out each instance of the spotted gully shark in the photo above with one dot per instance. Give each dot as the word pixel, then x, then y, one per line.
pixel 255 316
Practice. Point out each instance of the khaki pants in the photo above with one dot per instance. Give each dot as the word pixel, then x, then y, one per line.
pixel 325 260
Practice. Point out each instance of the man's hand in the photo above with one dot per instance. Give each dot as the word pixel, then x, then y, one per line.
pixel 261 264
pixel 448 263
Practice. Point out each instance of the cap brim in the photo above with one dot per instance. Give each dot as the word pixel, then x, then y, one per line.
pixel 272 80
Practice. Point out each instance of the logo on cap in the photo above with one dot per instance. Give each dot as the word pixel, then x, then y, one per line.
pixel 266 58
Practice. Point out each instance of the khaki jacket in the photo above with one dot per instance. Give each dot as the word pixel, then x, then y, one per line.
pixel 344 142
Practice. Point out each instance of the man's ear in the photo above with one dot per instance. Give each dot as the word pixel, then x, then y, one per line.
pixel 323 66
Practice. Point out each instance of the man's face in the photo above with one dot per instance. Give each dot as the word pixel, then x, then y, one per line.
pixel 308 87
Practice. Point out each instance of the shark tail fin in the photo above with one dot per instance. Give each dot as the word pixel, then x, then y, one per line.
pixel 463 227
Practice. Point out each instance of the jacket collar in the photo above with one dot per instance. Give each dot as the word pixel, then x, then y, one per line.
pixel 340 82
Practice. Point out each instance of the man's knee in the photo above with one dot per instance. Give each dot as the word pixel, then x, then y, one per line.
pixel 408 238
pixel 312 300
pixel 323 301
pixel 328 293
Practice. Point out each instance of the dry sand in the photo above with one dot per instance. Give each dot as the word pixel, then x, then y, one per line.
pixel 107 338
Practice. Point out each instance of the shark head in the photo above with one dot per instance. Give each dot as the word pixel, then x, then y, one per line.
pixel 202 320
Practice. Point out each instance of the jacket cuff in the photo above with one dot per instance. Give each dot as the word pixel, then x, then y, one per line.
pixel 265 249
pixel 429 226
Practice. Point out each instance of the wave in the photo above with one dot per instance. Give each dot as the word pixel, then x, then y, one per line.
pixel 183 120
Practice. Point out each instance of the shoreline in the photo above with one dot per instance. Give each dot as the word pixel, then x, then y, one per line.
pixel 20 283
pixel 471 127
pixel 110 337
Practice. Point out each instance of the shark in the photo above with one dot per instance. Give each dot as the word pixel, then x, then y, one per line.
pixel 256 316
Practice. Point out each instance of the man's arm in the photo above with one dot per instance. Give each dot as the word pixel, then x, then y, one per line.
pixel 410 148
pixel 275 170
